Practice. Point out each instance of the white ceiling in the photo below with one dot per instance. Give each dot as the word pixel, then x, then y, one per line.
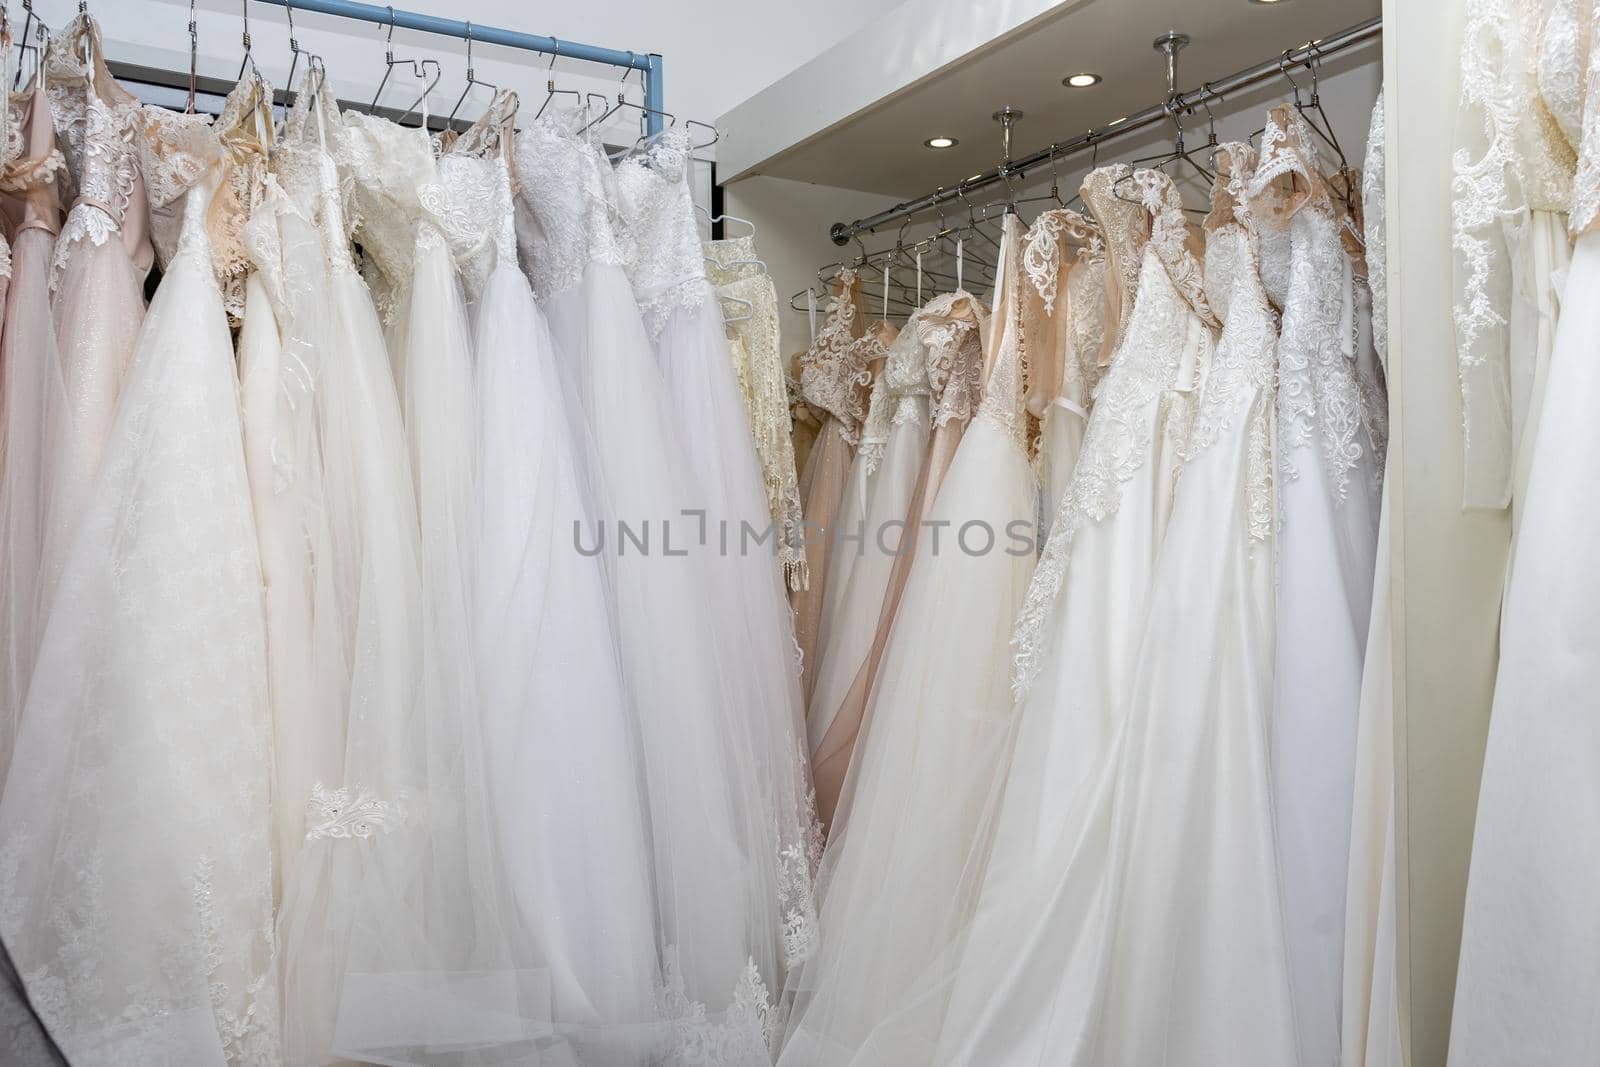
pixel 879 149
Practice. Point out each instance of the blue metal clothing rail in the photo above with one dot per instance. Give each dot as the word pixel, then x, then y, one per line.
pixel 647 63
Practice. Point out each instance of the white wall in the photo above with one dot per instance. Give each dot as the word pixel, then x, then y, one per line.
pixel 716 53
pixel 791 221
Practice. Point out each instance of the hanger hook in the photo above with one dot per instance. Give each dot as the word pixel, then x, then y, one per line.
pixel 1211 119
pixel 194 59
pixel 1283 68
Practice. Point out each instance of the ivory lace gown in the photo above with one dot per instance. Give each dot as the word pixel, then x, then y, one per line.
pixel 32 397
pixel 1028 979
pixel 149 941
pixel 834 384
pixel 1517 134
pixel 1065 261
pixel 562 739
pixel 935 734
pixel 1328 505
pixel 894 442
pixel 1528 982
pixel 97 277
pixel 732 267
pixel 950 329
pixel 290 351
pixel 714 845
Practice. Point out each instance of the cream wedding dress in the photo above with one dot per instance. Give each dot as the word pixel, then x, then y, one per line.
pixel 1328 481
pixel 1528 982
pixel 933 737
pixel 149 940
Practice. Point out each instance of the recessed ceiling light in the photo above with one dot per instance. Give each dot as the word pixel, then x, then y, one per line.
pixel 1267 1
pixel 941 142
pixel 1080 81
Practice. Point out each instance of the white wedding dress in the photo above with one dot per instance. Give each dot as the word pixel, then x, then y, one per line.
pixel 1027 982
pixel 135 853
pixel 1528 982
pixel 684 320
pixel 934 735
pixel 563 760
pixel 714 846
pixel 398 942
pixel 285 342
pixel 1370 1010
pixel 1187 969
pixel 1328 482
pixel 1065 259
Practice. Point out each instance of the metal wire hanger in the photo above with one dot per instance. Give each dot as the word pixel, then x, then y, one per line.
pixel 472 80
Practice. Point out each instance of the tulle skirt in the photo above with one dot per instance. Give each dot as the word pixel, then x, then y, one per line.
pixel 1326 552
pixel 873 505
pixel 138 865
pixel 1012 996
pixel 98 308
pixel 563 751
pixel 752 606
pixel 282 351
pixel 1176 951
pixel 33 409
pixel 923 769
pixel 713 844
pixel 1527 987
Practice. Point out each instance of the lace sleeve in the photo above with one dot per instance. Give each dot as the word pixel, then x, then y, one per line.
pixel 1488 209
pixel 1372 196
pixel 1586 187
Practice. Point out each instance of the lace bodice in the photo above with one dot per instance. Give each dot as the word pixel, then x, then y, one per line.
pixel 477 183
pixel 951 328
pixel 95 116
pixel 175 152
pixel 1125 227
pixel 1062 308
pixel 95 119
pixel 833 371
pixel 1165 345
pixel 1244 357
pixel 668 270
pixel 1586 187
pixel 306 173
pixel 1005 387
pixel 566 215
pixel 245 131
pixel 897 393
pixel 1319 399
pixel 1564 43
pixel 394 185
pixel 1511 158
pixel 33 167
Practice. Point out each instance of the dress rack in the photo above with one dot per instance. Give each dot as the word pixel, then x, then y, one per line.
pixel 1175 104
pixel 648 64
